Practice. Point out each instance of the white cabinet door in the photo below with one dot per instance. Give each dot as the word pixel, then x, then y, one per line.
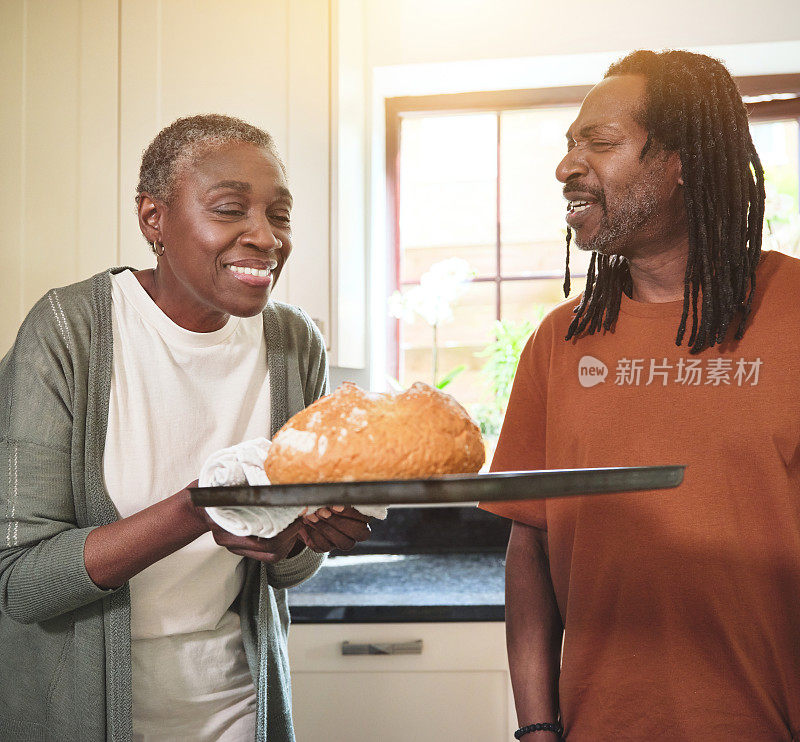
pixel 458 687
pixel 400 706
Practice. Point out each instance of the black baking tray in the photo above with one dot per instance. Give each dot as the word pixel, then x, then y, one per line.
pixel 448 490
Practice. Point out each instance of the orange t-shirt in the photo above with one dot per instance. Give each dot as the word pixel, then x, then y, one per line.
pixel 681 607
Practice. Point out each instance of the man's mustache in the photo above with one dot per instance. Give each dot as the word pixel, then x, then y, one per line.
pixel 576 186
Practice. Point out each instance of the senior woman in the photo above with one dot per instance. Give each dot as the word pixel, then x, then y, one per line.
pixel 125 613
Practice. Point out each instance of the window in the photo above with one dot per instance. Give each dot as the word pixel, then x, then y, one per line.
pixel 471 176
pixel 497 207
pixel 774 106
pixel 777 144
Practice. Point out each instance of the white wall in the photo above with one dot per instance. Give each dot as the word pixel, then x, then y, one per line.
pixel 417 47
pixel 87 84
pixel 425 31
pixel 58 148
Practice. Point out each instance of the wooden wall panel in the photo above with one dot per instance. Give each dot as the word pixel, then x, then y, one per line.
pixel 12 45
pixel 50 195
pixel 98 137
pixel 308 158
pixel 86 84
pixel 59 149
pixel 180 58
pixel 139 116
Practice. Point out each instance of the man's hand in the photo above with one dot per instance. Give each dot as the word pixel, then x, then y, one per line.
pixel 533 628
pixel 541 737
pixel 337 527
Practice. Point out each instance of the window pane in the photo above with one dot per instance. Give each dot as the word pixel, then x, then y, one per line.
pixel 473 320
pixel 468 388
pixel 529 300
pixel 777 145
pixel 532 209
pixel 526 259
pixel 448 201
pixel 470 330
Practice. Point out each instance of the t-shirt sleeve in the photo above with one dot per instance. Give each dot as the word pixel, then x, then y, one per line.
pixel 521 445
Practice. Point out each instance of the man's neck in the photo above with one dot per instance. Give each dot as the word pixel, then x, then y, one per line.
pixel 658 275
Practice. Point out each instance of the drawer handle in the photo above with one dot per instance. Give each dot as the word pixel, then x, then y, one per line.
pixel 415 647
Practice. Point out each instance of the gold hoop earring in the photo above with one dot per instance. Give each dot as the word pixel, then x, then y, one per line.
pixel 155 248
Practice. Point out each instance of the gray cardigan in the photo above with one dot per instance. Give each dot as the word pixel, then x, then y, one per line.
pixel 65 665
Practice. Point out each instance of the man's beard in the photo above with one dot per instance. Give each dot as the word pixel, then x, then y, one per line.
pixel 622 219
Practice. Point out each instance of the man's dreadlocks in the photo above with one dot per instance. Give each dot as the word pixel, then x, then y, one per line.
pixel 693 107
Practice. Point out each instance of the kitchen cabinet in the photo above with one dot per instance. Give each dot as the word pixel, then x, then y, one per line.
pixel 457 688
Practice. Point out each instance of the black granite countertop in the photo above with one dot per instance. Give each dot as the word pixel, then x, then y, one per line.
pixel 403 587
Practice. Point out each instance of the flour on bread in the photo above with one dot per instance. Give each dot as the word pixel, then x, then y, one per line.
pixel 356 435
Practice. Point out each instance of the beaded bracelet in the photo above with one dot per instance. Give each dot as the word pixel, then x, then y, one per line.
pixel 544 726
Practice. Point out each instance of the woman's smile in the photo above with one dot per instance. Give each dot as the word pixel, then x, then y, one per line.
pixel 261 277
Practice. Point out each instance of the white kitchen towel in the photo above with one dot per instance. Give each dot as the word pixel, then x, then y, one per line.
pixel 244 464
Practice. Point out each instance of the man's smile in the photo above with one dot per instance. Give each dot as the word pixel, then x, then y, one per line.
pixel 580 204
pixel 579 210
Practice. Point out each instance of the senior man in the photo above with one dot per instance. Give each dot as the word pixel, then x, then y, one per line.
pixel 670 615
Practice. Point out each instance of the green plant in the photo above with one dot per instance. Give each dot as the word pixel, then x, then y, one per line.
pixel 498 372
pixel 450 376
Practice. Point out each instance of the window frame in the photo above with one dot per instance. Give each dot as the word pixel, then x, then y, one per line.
pixel 498 101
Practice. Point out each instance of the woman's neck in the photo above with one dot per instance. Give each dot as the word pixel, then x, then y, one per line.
pixel 189 318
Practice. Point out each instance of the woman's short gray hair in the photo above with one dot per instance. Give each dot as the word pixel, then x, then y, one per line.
pixel 180 143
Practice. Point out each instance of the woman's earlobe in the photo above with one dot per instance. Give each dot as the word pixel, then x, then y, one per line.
pixel 149 218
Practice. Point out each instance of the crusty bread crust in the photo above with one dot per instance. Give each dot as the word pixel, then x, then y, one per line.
pixel 356 435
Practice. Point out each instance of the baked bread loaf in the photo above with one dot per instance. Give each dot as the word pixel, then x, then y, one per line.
pixel 356 435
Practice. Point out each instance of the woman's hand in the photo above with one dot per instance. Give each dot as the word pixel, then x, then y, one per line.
pixel 337 527
pixel 269 550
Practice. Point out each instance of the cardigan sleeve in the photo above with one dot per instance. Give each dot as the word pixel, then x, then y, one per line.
pixel 317 383
pixel 307 355
pixel 295 570
pixel 42 570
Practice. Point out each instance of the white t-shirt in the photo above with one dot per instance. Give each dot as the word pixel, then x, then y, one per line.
pixel 176 397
